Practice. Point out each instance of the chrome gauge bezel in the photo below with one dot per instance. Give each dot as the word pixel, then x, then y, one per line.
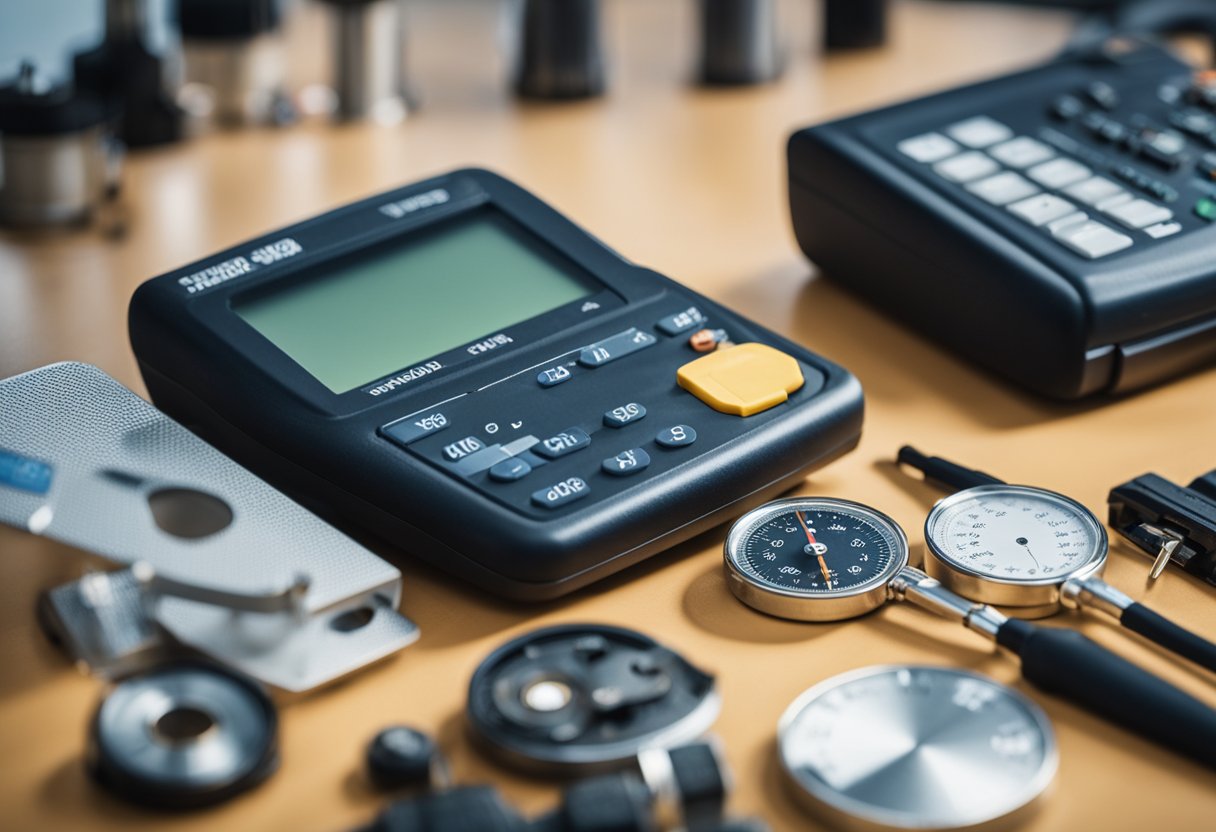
pixel 783 602
pixel 1025 597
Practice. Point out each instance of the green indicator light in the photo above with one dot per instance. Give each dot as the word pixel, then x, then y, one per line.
pixel 1206 208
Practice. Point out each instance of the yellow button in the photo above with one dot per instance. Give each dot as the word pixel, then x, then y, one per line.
pixel 743 379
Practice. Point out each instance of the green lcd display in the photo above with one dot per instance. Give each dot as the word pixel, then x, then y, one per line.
pixel 442 287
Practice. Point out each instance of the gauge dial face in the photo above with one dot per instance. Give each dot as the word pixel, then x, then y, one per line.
pixel 816 547
pixel 1016 534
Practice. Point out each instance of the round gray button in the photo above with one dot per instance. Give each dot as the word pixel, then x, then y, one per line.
pixel 676 436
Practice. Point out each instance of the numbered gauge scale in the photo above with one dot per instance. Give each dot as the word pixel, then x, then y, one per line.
pixel 1013 546
pixel 837 554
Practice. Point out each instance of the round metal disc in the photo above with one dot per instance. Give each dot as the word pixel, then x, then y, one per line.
pixel 910 747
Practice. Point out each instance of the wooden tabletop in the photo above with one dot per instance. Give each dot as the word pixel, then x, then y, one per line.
pixel 690 182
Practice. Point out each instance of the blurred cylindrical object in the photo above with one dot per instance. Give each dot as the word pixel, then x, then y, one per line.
pixel 854 24
pixel 56 156
pixel 560 53
pixel 234 53
pixel 739 42
pixel 369 64
pixel 130 78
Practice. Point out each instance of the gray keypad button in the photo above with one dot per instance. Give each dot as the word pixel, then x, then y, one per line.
pixel 623 415
pixel 1021 152
pixel 980 131
pixel 618 346
pixel 1003 188
pixel 462 448
pixel 927 148
pixel 560 444
pixel 625 463
pixel 510 470
pixel 1093 239
pixel 676 436
pixel 1042 209
pixel 966 167
pixel 1093 190
pixel 1139 213
pixel 1059 173
pixel 681 321
pixel 561 493
pixel 405 431
pixel 553 376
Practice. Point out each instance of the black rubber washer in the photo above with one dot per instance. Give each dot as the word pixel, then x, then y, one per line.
pixel 109 769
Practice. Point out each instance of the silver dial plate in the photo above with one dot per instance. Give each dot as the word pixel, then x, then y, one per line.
pixel 908 747
pixel 1016 534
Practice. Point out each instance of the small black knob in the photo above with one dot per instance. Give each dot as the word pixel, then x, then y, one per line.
pixel 404 758
pixel 560 54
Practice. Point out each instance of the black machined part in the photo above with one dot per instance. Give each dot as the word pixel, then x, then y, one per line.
pixel 855 24
pixel 464 809
pixel 1150 509
pixel 560 50
pixel 28 111
pixel 130 79
pixel 607 693
pixel 227 19
pixel 739 41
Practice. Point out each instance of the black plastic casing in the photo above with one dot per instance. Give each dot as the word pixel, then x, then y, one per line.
pixel 983 283
pixel 207 368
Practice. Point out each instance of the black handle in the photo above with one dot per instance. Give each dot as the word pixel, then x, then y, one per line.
pixel 1067 664
pixel 1160 630
pixel 943 471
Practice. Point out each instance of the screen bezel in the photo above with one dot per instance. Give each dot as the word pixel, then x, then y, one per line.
pixel 332 268
pixel 361 225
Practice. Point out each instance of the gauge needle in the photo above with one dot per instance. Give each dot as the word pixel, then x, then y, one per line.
pixel 1032 557
pixel 823 565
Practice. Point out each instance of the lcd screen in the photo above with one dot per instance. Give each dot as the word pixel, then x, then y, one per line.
pixel 442 287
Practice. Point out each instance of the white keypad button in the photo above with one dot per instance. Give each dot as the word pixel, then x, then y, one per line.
pixel 966 167
pixel 931 147
pixel 1163 229
pixel 1003 188
pixel 980 131
pixel 1059 173
pixel 1042 209
pixel 1140 213
pixel 1093 190
pixel 1021 152
pixel 1056 226
pixel 1093 239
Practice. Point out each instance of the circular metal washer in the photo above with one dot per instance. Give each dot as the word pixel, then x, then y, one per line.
pixel 183 736
pixel 583 698
pixel 915 747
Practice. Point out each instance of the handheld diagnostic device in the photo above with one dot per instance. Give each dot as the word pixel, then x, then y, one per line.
pixel 460 370
pixel 1055 225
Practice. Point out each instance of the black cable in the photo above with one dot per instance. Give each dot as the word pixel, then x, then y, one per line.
pixel 1160 630
pixel 943 471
